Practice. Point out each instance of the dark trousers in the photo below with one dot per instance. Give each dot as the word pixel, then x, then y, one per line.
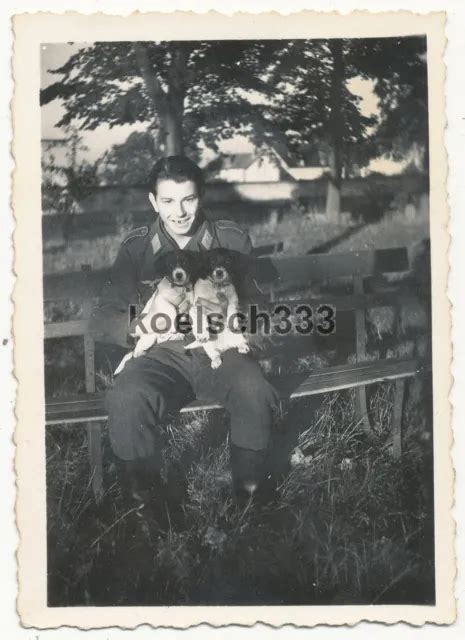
pixel 167 378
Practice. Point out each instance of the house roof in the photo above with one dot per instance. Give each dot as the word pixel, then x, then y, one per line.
pixel 238 160
pixel 244 160
pixel 305 173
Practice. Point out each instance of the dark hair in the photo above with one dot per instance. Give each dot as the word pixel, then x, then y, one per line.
pixel 177 168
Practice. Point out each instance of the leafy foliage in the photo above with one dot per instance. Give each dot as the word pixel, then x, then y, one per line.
pixel 117 83
pixel 127 163
pixel 64 185
pixel 292 94
pixel 398 68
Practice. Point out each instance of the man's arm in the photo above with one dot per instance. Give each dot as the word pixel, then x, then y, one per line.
pixel 232 236
pixel 109 320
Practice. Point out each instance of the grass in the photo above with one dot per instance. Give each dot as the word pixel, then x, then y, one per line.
pixel 348 524
pixel 303 231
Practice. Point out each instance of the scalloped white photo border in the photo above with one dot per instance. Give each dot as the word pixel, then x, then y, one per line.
pixel 30 31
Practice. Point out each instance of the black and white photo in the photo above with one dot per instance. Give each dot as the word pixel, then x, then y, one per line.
pixel 240 407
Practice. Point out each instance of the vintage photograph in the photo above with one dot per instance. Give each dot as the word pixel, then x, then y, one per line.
pixel 290 463
pixel 239 404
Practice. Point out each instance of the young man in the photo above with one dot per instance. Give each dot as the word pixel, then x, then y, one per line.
pixel 168 376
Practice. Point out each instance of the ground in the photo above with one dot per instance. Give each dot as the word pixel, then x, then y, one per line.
pixel 347 525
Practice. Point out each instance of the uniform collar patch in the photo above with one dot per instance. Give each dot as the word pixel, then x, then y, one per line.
pixel 156 244
pixel 207 240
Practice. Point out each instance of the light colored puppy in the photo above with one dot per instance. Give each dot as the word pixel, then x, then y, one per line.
pixel 173 296
pixel 216 285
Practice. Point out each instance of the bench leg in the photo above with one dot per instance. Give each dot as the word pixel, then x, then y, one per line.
pixel 397 419
pixel 361 413
pixel 94 444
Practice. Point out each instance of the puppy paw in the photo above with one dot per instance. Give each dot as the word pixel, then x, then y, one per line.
pixel 244 348
pixel 203 337
pixel 120 367
pixel 144 344
pixel 170 336
pixel 216 362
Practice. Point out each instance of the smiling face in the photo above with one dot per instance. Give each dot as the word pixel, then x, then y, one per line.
pixel 177 204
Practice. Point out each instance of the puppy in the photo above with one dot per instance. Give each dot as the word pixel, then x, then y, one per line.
pixel 217 282
pixel 173 295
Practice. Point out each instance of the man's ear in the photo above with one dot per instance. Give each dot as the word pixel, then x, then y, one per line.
pixel 153 202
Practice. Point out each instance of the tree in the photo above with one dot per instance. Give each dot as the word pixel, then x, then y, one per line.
pixel 65 184
pixel 182 90
pixel 126 164
pixel 317 108
pixel 336 131
pixel 399 72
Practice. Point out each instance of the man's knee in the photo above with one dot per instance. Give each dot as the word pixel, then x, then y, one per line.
pixel 249 384
pixel 134 409
pixel 128 389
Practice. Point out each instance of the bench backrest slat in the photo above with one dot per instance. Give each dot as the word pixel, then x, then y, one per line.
pixel 282 271
pixel 300 271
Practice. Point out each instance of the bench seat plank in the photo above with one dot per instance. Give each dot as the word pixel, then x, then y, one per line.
pixel 85 407
pixel 65 329
pixel 336 378
pixel 90 407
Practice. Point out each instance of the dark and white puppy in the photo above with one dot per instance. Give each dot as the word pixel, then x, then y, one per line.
pixel 173 295
pixel 219 282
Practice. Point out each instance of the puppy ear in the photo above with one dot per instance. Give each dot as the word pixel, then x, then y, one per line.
pixel 194 261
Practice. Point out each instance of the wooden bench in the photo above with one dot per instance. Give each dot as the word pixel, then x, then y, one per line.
pixel 274 249
pixel 280 277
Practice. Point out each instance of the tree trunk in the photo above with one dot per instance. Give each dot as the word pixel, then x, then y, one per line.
pixel 174 113
pixel 168 104
pixel 336 124
pixel 171 134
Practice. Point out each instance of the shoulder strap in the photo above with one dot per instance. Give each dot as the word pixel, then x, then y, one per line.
pixel 140 232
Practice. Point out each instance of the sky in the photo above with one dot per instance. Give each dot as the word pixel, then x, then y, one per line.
pixel 99 140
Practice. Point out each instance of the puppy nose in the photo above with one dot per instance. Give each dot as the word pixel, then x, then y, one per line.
pixel 219 273
pixel 178 275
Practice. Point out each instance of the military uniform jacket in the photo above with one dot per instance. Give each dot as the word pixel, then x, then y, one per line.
pixel 134 273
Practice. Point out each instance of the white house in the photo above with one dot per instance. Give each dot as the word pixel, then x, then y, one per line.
pixel 250 167
pixel 306 173
pixel 261 166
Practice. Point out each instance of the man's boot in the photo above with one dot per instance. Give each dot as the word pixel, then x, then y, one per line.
pixel 154 503
pixel 250 474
